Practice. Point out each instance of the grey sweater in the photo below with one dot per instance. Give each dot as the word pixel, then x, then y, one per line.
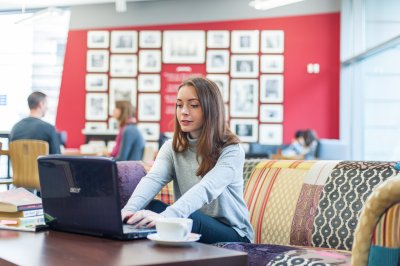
pixel 218 194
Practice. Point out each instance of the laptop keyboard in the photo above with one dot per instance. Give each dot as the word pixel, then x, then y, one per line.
pixel 130 228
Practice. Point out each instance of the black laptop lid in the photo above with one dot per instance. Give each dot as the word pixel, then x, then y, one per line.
pixel 81 193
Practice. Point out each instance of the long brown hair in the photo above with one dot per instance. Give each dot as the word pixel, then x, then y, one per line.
pixel 127 112
pixel 215 134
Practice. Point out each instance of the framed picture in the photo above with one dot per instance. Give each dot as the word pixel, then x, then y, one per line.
pixel 271 134
pixel 222 81
pixel 150 39
pixel 245 41
pixel 122 90
pixel 218 39
pixel 149 83
pixel 186 47
pixel 245 129
pixel 98 39
pixel 244 66
pixel 96 106
pixel 217 61
pixel 123 66
pixel 271 89
pixel 95 126
pixel 149 107
pixel 271 113
pixel 113 124
pixel 244 98
pixel 97 61
pixel 271 64
pixel 272 41
pixel 150 131
pixel 150 61
pixel 124 41
pixel 96 82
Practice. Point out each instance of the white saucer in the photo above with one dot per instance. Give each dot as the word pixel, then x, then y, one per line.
pixel 156 238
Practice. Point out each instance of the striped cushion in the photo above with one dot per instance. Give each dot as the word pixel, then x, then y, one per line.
pixel 387 231
pixel 271 195
pixel 248 168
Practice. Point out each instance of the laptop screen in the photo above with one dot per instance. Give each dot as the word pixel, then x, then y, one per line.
pixel 81 193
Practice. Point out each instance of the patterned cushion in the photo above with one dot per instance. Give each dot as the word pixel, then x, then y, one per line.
pixel 266 254
pixel 129 174
pixel 166 194
pixel 248 168
pixel 343 196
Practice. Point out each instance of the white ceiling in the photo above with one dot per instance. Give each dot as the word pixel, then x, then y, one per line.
pixel 31 4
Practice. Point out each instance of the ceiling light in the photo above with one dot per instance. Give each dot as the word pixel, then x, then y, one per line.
pixel 268 4
pixel 120 5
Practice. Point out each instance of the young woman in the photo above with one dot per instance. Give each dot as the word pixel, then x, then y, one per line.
pixel 205 161
pixel 130 143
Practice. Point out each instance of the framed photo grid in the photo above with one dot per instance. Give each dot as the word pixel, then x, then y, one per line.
pixel 121 63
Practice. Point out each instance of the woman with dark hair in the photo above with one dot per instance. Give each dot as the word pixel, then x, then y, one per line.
pixel 130 143
pixel 205 161
pixel 310 144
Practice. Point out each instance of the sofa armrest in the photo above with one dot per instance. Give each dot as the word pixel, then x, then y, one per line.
pixel 386 195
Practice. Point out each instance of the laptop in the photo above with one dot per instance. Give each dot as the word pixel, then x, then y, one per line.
pixel 80 194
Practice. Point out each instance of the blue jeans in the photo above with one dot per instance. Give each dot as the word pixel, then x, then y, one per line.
pixel 211 229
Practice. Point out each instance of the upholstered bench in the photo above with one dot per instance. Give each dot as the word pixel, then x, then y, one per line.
pixel 313 212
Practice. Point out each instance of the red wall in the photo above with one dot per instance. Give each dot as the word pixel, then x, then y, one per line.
pixel 310 100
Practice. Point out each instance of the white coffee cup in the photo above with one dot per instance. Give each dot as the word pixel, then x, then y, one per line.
pixel 174 229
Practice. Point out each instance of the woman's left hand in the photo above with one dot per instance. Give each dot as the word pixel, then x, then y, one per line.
pixel 145 218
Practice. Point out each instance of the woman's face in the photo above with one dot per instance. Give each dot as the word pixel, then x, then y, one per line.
pixel 189 112
pixel 116 113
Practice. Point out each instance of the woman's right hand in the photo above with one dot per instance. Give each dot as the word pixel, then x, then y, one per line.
pixel 125 215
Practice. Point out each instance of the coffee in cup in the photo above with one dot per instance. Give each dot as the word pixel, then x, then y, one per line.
pixel 174 229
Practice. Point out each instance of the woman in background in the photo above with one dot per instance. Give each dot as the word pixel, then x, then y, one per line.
pixel 130 143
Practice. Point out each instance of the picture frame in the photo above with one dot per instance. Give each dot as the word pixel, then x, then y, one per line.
pixel 149 107
pixel 150 131
pixel 245 41
pixel 124 41
pixel 217 61
pixel 122 90
pixel 150 39
pixel 98 39
pixel 95 126
pixel 96 82
pixel 245 129
pixel 96 106
pixel 113 124
pixel 271 88
pixel 150 61
pixel 184 47
pixel 272 64
pixel 271 113
pixel 123 65
pixel 149 83
pixel 272 41
pixel 244 66
pixel 218 39
pixel 222 81
pixel 97 61
pixel 271 134
pixel 244 98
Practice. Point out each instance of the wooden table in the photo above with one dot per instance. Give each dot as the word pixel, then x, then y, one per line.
pixel 58 248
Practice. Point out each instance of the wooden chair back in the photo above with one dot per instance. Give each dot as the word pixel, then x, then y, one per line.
pixel 23 156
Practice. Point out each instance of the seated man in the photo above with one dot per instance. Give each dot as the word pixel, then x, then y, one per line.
pixel 33 127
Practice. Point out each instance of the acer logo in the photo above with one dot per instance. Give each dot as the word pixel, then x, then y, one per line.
pixel 75 190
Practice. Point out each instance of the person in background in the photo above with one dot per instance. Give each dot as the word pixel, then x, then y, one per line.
pixel 33 127
pixel 297 145
pixel 205 161
pixel 130 143
pixel 310 144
